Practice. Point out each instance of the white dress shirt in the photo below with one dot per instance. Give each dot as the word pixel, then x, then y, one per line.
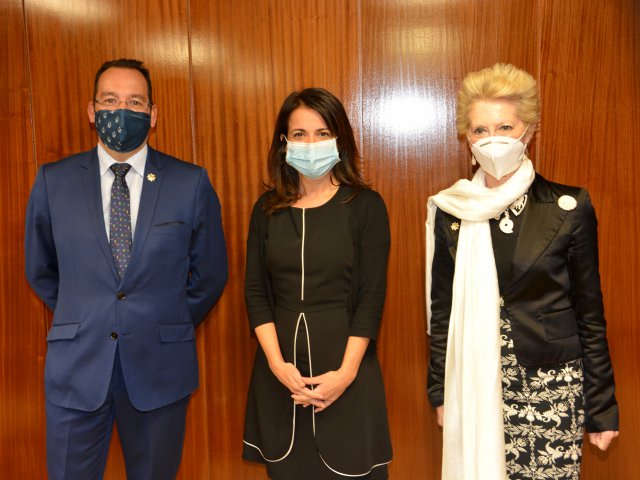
pixel 134 179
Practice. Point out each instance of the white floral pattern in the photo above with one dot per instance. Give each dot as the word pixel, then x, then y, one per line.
pixel 543 416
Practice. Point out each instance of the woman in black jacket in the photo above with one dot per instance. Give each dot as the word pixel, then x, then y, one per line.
pixel 315 287
pixel 519 358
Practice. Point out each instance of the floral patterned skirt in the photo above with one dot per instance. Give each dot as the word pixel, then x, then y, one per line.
pixel 543 416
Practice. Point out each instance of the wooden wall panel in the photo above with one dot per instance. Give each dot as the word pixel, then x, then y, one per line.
pixel 589 64
pixel 221 70
pixel 22 316
pixel 247 57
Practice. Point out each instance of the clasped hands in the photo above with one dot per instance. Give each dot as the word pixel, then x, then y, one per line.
pixel 320 392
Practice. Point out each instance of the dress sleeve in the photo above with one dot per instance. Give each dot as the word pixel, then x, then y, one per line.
pixel 441 294
pixel 600 401
pixel 256 290
pixel 373 252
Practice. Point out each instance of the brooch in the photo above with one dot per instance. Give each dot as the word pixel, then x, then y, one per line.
pixel 506 224
pixel 567 202
pixel 455 226
pixel 151 177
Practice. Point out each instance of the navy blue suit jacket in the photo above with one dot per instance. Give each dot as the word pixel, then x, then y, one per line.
pixel 176 273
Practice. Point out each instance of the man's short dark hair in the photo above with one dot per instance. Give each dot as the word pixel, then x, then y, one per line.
pixel 124 63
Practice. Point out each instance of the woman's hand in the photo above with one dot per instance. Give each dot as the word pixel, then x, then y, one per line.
pixel 329 386
pixel 332 384
pixel 286 373
pixel 440 415
pixel 602 440
pixel 290 377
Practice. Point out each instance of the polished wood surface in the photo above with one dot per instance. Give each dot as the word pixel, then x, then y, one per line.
pixel 221 70
pixel 23 318
pixel 589 138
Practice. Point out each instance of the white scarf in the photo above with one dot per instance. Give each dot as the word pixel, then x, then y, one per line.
pixel 473 433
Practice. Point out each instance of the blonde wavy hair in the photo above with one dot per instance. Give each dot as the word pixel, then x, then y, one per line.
pixel 502 81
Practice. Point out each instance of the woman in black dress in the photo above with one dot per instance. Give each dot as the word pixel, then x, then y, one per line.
pixel 519 358
pixel 315 286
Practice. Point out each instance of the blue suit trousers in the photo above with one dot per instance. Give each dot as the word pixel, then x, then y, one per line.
pixel 78 441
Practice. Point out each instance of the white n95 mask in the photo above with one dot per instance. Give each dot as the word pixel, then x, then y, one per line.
pixel 499 156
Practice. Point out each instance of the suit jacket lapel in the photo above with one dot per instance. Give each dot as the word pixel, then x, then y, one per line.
pixel 149 197
pixel 540 225
pixel 93 192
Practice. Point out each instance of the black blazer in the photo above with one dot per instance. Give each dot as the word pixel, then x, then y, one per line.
pixel 553 296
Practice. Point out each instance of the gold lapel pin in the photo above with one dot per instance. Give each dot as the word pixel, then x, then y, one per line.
pixel 151 177
pixel 455 226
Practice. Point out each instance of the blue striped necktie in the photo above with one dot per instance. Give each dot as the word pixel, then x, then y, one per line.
pixel 120 218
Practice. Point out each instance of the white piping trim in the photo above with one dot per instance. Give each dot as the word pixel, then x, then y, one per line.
pixel 302 262
pixel 262 454
pixel 352 474
pixel 311 387
pixel 293 426
pixel 313 417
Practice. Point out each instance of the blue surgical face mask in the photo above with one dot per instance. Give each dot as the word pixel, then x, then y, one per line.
pixel 313 160
pixel 122 130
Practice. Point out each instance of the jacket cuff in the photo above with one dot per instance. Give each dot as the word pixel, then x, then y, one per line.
pixel 607 420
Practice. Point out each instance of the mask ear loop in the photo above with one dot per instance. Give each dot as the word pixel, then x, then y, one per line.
pixel 283 138
pixel 526 145
pixel 474 162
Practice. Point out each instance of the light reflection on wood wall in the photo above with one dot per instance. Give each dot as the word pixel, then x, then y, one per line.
pixel 221 70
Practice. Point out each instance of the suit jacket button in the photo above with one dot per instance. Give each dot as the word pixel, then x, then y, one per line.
pixel 114 336
pixel 121 296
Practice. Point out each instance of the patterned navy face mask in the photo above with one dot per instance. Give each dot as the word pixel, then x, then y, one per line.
pixel 122 130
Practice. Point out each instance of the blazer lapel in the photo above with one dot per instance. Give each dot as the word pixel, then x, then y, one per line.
pixel 148 199
pixel 540 225
pixel 92 189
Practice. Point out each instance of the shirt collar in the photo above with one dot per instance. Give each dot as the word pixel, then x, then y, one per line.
pixel 136 161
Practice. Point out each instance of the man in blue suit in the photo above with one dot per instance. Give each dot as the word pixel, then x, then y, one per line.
pixel 125 245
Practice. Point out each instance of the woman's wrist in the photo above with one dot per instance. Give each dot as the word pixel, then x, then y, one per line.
pixel 348 373
pixel 276 364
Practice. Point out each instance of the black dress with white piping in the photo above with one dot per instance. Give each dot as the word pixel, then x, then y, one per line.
pixel 319 274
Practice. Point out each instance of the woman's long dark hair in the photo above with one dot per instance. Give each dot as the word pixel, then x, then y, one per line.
pixel 284 179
